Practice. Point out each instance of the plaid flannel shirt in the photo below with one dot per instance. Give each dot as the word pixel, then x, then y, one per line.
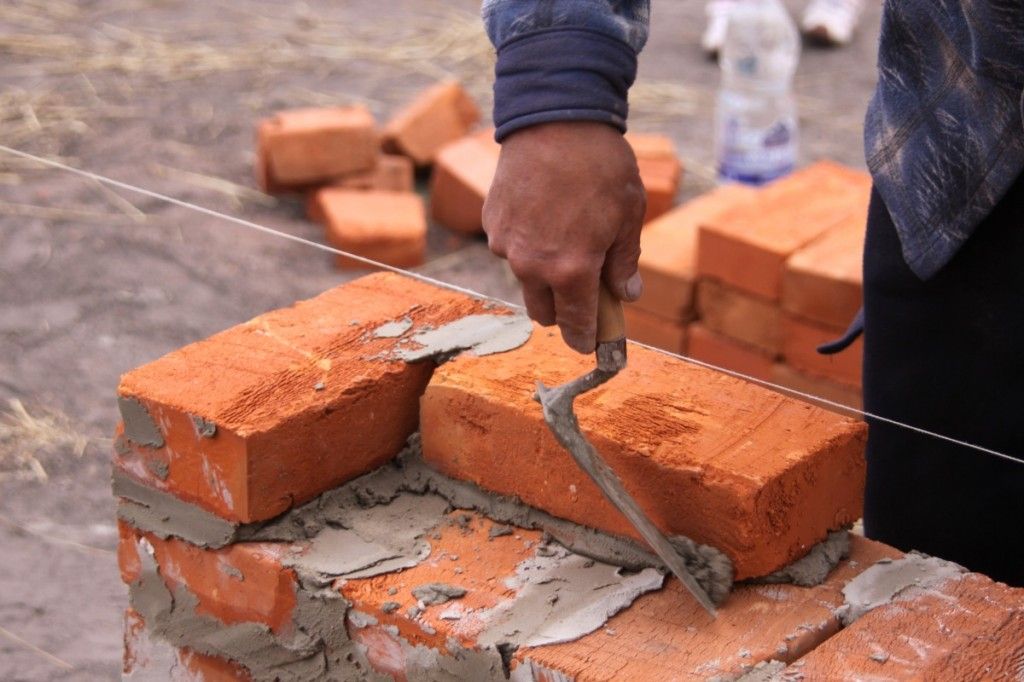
pixel 943 137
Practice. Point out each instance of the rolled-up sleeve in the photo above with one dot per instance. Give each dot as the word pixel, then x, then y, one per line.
pixel 564 60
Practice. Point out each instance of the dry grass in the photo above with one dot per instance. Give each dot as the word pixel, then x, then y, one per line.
pixel 25 437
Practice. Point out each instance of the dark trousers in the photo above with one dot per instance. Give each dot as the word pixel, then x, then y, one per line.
pixel 947 355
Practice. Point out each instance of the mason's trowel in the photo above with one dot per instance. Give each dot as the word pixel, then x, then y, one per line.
pixel 557 404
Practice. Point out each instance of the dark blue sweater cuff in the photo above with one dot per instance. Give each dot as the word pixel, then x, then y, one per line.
pixel 562 74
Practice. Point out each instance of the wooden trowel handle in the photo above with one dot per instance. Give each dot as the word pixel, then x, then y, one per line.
pixel 611 323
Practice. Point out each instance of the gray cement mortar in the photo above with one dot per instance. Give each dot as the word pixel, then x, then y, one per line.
pixel 884 581
pixel 139 426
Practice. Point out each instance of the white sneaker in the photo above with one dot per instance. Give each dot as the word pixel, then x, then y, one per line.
pixel 832 21
pixel 717 12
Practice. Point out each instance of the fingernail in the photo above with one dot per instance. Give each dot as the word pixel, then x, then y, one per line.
pixel 634 287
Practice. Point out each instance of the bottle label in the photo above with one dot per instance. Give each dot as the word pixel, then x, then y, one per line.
pixel 756 155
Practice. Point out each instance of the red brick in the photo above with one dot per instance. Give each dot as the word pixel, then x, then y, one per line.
pixel 663 635
pixel 387 227
pixel 966 628
pixel 304 146
pixel 668 252
pixel 241 583
pixel 437 116
pixel 747 247
pixel 721 351
pixel 760 476
pixel 462 176
pixel 279 440
pixel 149 659
pixel 661 171
pixel 740 316
pixel 800 340
pixel 655 330
pixel 785 375
pixel 822 281
pixel 393 173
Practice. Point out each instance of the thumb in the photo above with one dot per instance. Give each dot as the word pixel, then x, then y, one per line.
pixel 621 265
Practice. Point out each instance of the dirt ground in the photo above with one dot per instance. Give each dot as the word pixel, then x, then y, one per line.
pixel 165 94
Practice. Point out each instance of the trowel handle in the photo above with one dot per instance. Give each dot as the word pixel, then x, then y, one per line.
pixel 611 323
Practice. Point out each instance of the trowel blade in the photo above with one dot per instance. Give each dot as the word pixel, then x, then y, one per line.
pixel 557 407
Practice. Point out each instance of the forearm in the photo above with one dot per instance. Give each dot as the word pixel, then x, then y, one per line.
pixel 564 60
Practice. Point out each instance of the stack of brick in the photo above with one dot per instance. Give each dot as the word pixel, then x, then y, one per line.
pixel 267 534
pixel 754 280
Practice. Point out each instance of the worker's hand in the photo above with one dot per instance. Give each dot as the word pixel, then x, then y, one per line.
pixel 566 209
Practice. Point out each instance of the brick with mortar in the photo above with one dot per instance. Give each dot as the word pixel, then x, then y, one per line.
pixel 462 177
pixel 740 316
pixel 146 658
pixel 655 330
pixel 438 115
pixel 721 351
pixel 387 227
pixel 298 399
pixel 822 281
pixel 668 252
pixel 966 628
pixel 800 340
pixel 662 635
pixel 303 146
pixel 747 247
pixel 760 476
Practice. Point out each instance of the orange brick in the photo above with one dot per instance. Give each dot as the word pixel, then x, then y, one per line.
pixel 740 316
pixel 304 146
pixel 721 351
pixel 785 375
pixel 388 227
pixel 149 659
pixel 462 177
pixel 668 251
pixel 822 281
pixel 300 400
pixel 720 460
pixel 660 170
pixel 800 340
pixel 437 116
pixel 655 330
pixel 663 635
pixel 966 628
pixel 241 583
pixel 747 247
pixel 393 173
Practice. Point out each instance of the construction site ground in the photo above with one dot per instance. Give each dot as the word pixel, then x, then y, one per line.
pixel 166 95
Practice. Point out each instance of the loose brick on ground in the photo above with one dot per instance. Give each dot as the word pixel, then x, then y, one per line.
pixel 655 330
pixel 462 176
pixel 784 375
pixel 760 476
pixel 740 316
pixel 822 281
pixel 440 114
pixel 747 247
pixel 392 173
pixel 274 411
pixel 967 628
pixel 800 340
pixel 387 227
pixel 721 351
pixel 668 252
pixel 304 146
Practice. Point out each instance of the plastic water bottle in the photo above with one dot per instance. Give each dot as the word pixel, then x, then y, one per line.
pixel 756 136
